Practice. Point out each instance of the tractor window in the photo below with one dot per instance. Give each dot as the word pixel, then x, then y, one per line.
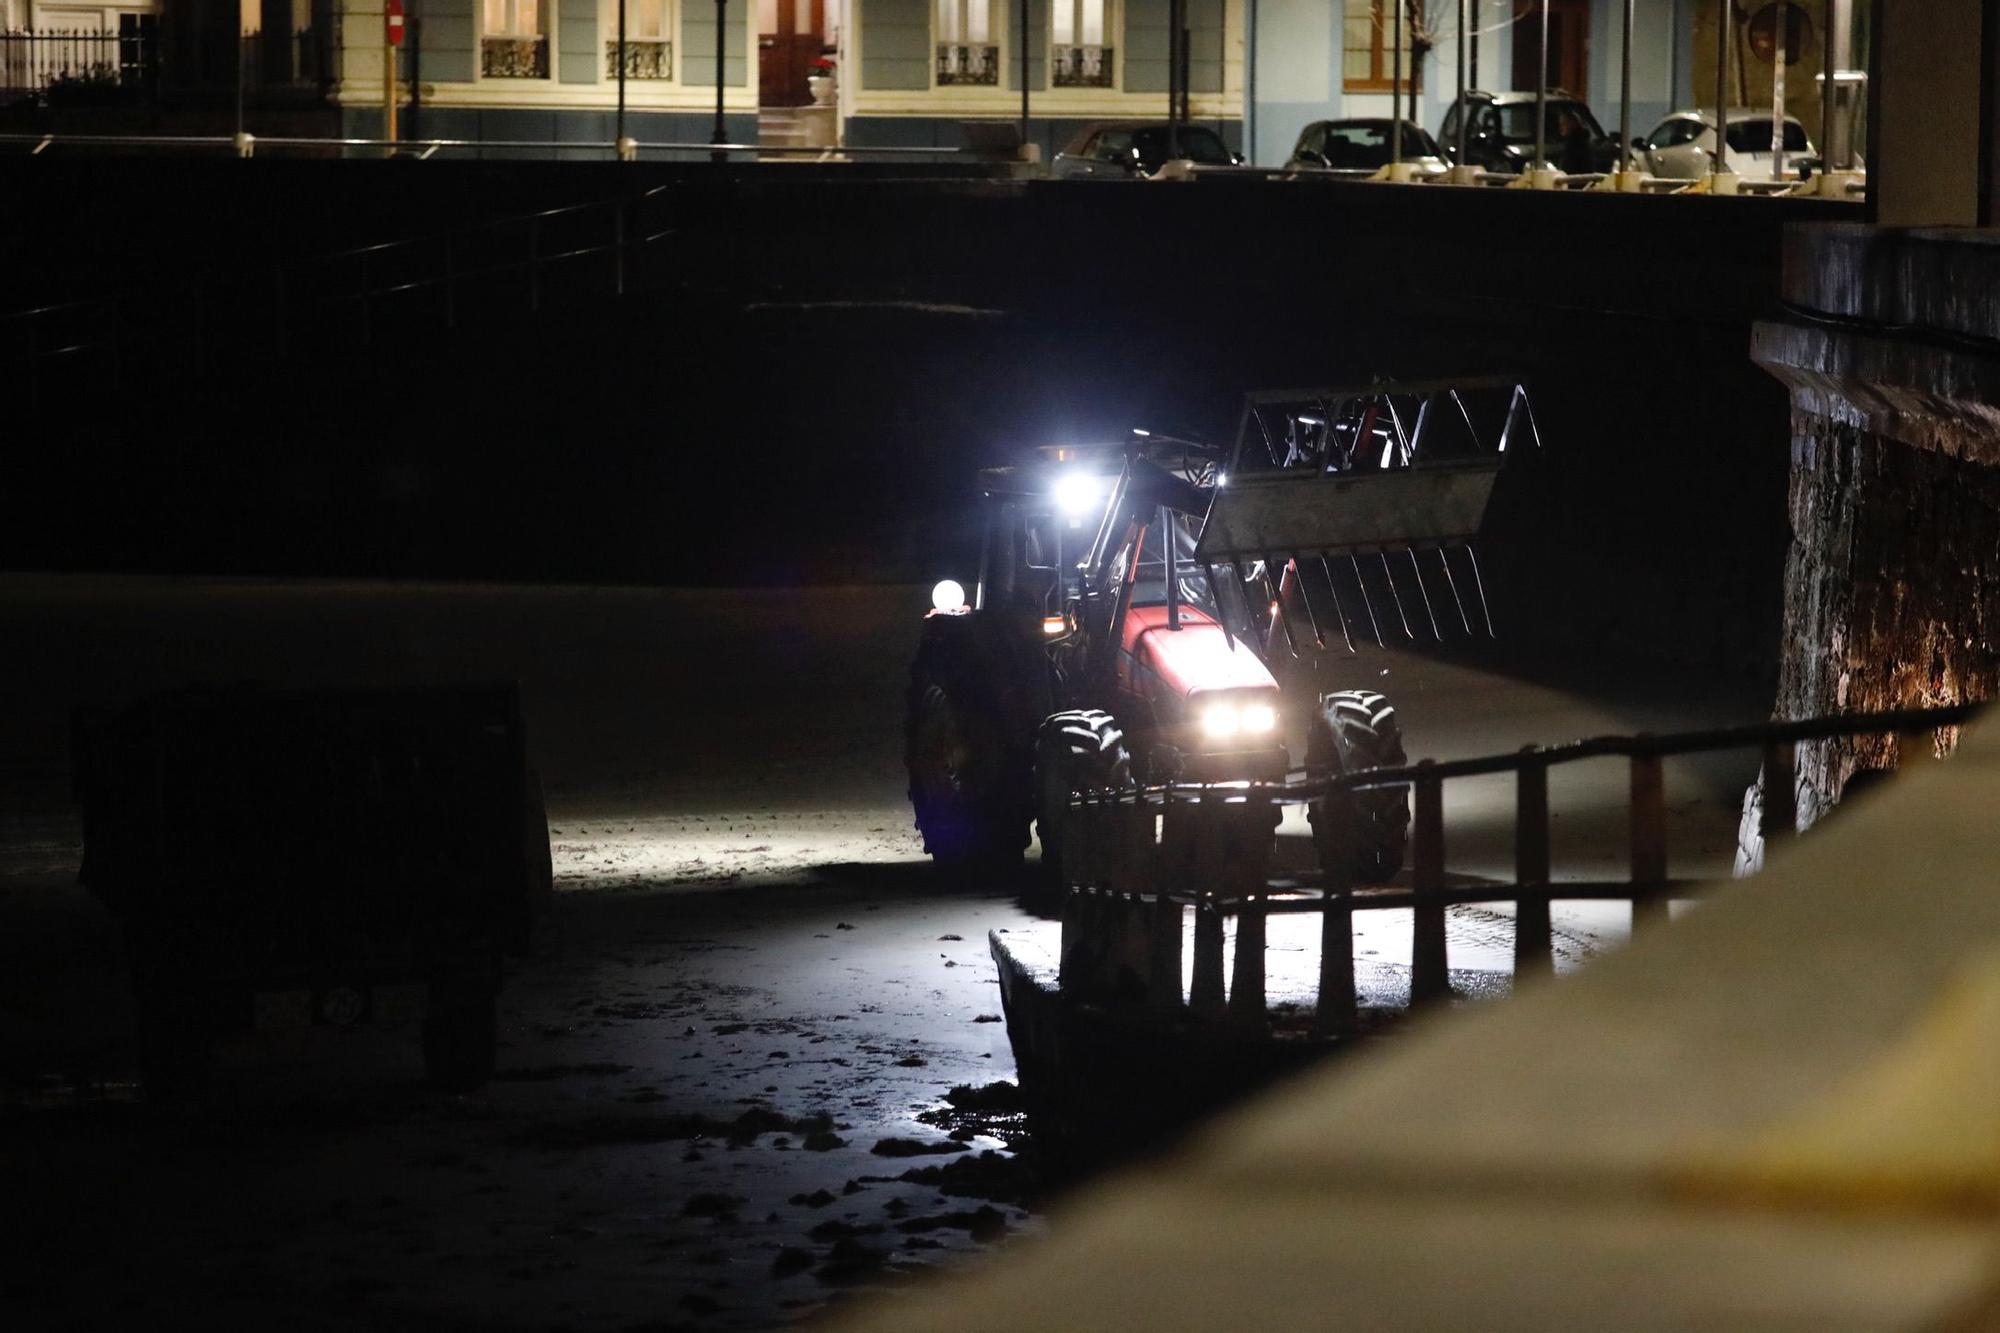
pixel 1151 587
pixel 1049 543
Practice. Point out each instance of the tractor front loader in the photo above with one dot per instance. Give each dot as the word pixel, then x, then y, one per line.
pixel 1129 599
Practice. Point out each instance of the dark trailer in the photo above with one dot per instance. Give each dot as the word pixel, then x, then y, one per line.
pixel 278 859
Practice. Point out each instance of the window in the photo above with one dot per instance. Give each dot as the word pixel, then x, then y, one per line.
pixel 1754 136
pixel 514 42
pixel 1370 63
pixel 649 54
pixel 966 52
pixel 1076 33
pixel 1517 121
pixel 1674 133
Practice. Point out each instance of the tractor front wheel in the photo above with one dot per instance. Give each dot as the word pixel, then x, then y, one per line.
pixel 968 789
pixel 1360 835
pixel 1079 750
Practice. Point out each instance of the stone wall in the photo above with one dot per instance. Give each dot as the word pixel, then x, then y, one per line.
pixel 1892 582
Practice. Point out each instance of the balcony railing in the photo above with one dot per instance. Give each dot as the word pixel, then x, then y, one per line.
pixel 31 61
pixel 643 60
pixel 957 64
pixel 514 57
pixel 1081 67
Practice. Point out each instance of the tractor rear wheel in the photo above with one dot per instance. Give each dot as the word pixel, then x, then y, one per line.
pixel 1079 750
pixel 1363 833
pixel 968 788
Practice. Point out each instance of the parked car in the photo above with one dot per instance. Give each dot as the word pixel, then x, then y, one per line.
pixel 1133 150
pixel 1501 133
pixel 1361 145
pixel 1682 147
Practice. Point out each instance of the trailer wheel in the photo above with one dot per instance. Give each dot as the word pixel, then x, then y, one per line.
pixel 968 789
pixel 461 1033
pixel 1370 829
pixel 1079 750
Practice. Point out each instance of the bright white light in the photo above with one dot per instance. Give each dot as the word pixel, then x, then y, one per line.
pixel 949 595
pixel 1144 434
pixel 1219 721
pixel 1221 480
pixel 1259 717
pixel 1077 493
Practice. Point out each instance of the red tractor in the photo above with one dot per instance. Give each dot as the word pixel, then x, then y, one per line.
pixel 1127 598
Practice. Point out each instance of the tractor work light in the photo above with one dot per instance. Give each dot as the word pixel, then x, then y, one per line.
pixel 1055 627
pixel 1223 720
pixel 1078 493
pixel 949 595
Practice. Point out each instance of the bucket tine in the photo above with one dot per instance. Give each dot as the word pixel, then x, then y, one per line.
pixel 1305 596
pixel 1362 584
pixel 1479 584
pixel 1425 593
pixel 1274 580
pixel 1339 612
pixel 1453 582
pixel 1400 613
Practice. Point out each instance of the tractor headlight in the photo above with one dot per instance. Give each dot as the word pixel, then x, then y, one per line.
pixel 948 595
pixel 1221 721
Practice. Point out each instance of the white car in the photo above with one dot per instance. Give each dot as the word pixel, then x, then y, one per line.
pixel 1682 146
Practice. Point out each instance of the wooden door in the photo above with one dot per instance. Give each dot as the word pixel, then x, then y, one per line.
pixel 1569 45
pixel 790 36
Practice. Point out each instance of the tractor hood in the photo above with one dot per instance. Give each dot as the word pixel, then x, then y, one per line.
pixel 1179 663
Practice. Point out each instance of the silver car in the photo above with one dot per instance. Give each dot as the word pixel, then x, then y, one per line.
pixel 1682 146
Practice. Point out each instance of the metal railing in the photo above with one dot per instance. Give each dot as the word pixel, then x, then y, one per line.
pixel 958 64
pixel 643 59
pixel 34 61
pixel 1082 67
pixel 1135 861
pixel 514 57
pixel 248 145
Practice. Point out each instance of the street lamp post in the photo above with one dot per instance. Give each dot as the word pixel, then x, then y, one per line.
pixel 721 134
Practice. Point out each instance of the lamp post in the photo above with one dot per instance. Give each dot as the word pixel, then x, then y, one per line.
pixel 1023 4
pixel 721 135
pixel 623 152
pixel 1721 97
pixel 1396 96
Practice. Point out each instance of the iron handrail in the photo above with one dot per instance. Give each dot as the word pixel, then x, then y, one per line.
pixel 1637 745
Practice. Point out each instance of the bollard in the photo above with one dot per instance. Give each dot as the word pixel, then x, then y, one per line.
pixel 1648 842
pixel 1534 938
pixel 1429 973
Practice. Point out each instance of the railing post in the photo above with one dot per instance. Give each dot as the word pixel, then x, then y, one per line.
pixel 1205 991
pixel 1780 820
pixel 1534 938
pixel 1648 842
pixel 1249 830
pixel 1336 1009
pixel 1429 971
pixel 1163 964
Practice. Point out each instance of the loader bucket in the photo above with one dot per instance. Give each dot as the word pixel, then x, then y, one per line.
pixel 1354 509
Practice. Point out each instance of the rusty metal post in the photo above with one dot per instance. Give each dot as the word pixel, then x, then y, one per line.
pixel 1429 971
pixel 1781 817
pixel 1648 843
pixel 1534 938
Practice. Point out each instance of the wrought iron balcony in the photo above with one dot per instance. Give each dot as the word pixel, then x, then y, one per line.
pixel 643 60
pixel 514 57
pixel 1081 67
pixel 957 64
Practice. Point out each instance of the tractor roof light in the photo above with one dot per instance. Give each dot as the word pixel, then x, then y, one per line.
pixel 1079 494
